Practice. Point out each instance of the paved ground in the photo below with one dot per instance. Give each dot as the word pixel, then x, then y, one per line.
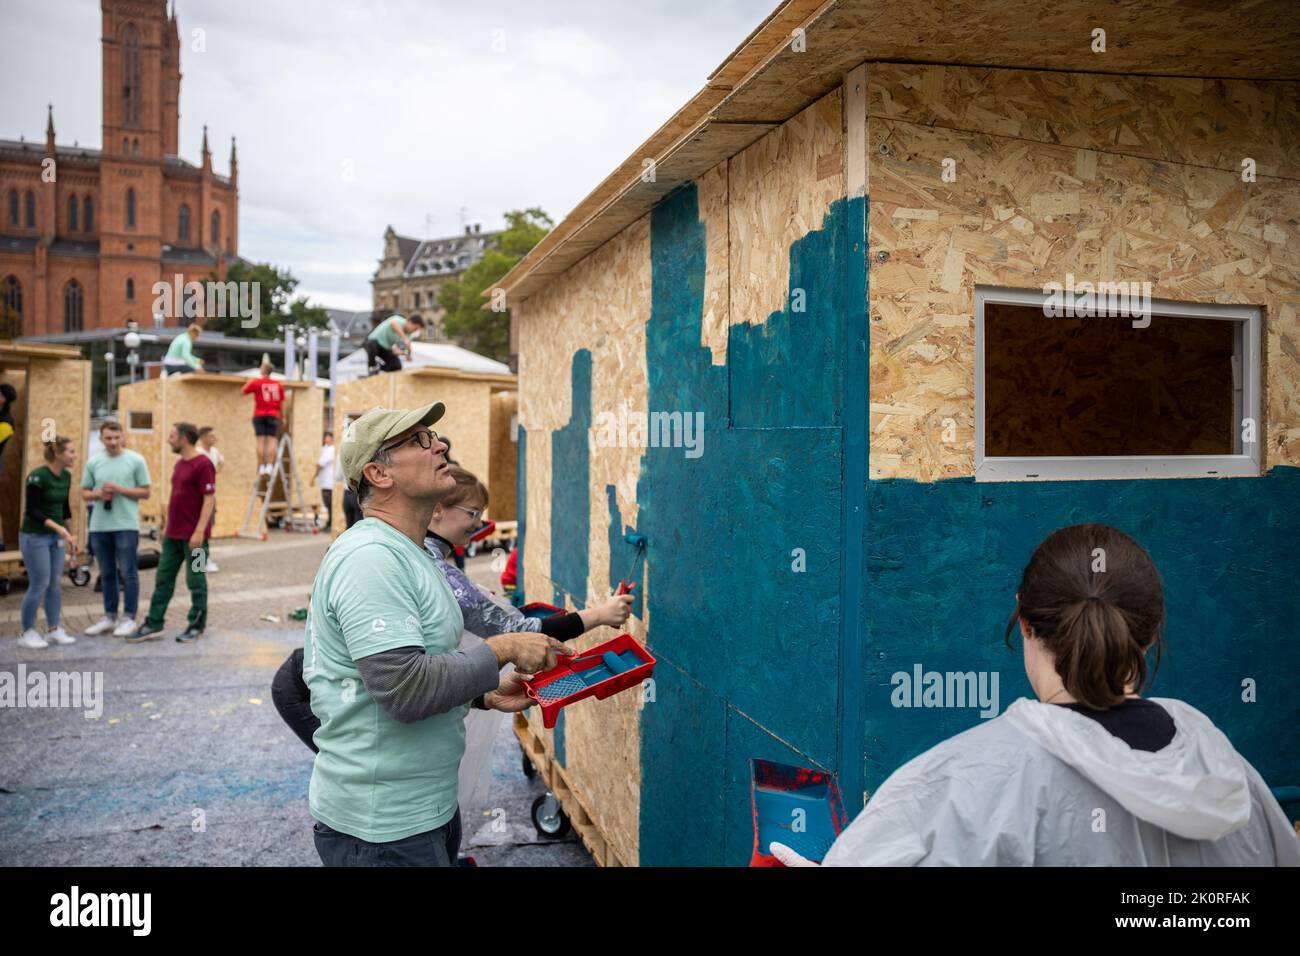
pixel 189 763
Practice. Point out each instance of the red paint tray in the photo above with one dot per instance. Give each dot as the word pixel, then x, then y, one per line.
pixel 600 672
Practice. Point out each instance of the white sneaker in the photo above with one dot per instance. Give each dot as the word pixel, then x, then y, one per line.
pixel 59 636
pixel 126 627
pixel 31 638
pixel 105 623
pixel 211 567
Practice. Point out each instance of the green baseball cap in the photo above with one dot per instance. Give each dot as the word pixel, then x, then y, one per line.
pixel 364 436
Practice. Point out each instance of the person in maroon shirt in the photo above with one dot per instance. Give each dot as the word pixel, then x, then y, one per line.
pixel 185 540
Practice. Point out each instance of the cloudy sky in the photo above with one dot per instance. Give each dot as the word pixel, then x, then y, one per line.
pixel 355 114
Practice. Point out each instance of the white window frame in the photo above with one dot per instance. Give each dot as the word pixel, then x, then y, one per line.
pixel 1248 385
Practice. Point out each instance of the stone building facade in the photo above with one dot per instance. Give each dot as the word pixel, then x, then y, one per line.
pixel 412 271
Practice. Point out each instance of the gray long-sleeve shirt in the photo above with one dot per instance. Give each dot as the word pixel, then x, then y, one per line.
pixel 411 685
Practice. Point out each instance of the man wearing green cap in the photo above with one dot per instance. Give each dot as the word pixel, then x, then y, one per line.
pixel 381 659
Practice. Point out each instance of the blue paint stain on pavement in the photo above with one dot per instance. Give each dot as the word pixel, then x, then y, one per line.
pixel 571 489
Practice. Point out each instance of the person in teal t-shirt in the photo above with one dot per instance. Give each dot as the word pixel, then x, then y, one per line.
pixel 115 482
pixel 387 334
pixel 387 680
pixel 180 354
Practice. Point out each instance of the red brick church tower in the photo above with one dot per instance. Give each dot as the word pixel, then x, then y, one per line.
pixel 82 248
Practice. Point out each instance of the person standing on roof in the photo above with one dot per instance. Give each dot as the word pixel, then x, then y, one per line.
pixel 180 354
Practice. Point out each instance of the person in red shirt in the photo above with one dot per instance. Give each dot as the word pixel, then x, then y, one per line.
pixel 268 396
pixel 185 539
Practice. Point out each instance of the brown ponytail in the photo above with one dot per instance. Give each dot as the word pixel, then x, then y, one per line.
pixel 52 448
pixel 1098 624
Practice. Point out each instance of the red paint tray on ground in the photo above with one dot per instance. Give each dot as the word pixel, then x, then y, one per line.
pixel 600 672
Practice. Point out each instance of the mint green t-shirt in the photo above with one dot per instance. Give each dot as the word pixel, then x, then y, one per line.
pixel 182 350
pixel 376 778
pixel 385 333
pixel 127 469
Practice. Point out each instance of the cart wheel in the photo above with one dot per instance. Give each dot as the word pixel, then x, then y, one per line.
pixel 529 770
pixel 4 586
pixel 549 819
pixel 80 576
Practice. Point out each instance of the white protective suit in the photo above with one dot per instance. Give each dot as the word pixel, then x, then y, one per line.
pixel 1024 789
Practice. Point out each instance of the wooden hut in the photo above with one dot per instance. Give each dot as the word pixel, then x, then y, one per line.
pixel 839 255
pixel 480 411
pixel 149 409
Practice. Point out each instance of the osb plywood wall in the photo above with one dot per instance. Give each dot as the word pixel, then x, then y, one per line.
pixel 504 452
pixel 754 207
pixel 771 209
pixel 1149 188
pixel 13 463
pixel 57 394
pixel 352 400
pixel 218 402
pixel 601 304
pixel 467 420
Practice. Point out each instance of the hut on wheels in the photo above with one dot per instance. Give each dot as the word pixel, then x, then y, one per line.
pixel 905 287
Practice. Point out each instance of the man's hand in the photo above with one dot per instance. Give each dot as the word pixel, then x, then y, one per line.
pixel 530 653
pixel 511 697
pixel 110 487
pixel 196 541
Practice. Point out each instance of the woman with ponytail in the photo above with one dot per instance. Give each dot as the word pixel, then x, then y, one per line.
pixel 1090 773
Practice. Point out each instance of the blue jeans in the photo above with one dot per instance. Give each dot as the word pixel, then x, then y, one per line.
pixel 43 556
pixel 439 847
pixel 118 552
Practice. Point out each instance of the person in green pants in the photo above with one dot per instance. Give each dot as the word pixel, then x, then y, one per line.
pixel 185 540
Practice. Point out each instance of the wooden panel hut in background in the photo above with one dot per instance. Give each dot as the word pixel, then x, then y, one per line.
pixel 830 533
pixel 472 411
pixel 149 409
pixel 53 385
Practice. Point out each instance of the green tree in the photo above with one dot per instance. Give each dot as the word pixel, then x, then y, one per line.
pixel 278 305
pixel 466 321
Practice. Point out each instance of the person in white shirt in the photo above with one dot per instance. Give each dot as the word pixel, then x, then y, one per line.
pixel 208 446
pixel 324 478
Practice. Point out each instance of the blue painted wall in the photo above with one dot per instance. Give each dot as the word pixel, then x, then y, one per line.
pixel 571 490
pixel 749 649
pixel 756 660
pixel 945 560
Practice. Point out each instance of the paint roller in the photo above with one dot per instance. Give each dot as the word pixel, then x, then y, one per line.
pixel 615 665
pixel 638 541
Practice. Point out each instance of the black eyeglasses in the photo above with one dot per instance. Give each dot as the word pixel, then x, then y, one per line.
pixel 426 438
